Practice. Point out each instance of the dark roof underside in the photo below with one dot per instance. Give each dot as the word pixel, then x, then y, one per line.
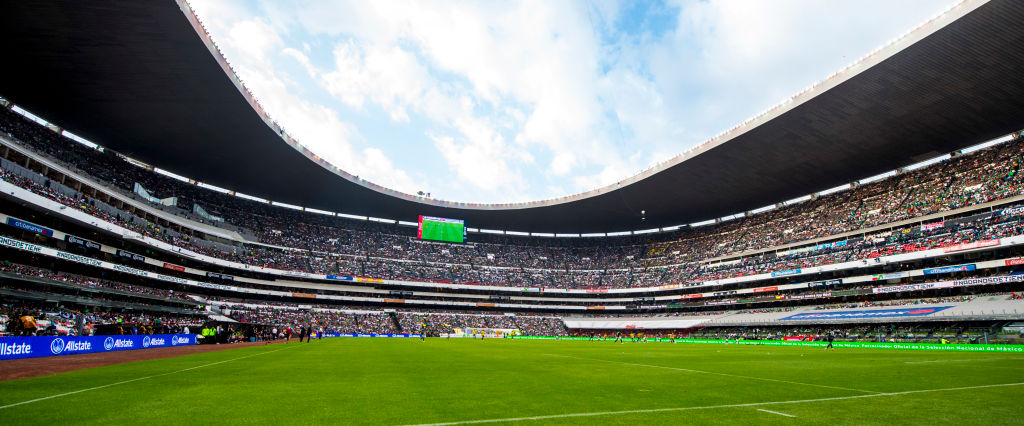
pixel 135 77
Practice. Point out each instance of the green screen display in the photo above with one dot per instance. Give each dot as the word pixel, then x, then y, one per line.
pixel 441 229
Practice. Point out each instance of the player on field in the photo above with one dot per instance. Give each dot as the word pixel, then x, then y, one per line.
pixel 830 338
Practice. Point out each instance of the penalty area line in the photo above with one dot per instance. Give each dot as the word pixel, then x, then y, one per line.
pixel 956 360
pixel 712 407
pixel 134 380
pixel 688 370
pixel 775 412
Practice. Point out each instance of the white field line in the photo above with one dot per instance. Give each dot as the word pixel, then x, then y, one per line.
pixel 719 374
pixel 775 412
pixel 711 407
pixel 956 360
pixel 135 380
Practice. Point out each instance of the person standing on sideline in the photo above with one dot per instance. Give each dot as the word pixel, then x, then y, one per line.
pixel 28 324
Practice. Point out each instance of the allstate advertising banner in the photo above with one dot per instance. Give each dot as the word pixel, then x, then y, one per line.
pixel 37 346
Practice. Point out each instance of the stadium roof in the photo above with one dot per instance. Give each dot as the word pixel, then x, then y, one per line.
pixel 139 78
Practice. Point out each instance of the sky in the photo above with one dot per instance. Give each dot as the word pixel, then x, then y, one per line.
pixel 508 101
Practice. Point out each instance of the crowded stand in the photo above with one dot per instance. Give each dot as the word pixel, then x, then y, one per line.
pixel 94 283
pixel 881 218
pixel 283 317
pixel 955 333
pixel 437 324
pixel 332 245
pixel 42 319
pixel 541 326
pixel 332 319
pixel 907 239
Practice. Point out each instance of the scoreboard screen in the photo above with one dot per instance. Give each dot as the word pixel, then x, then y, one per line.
pixel 441 229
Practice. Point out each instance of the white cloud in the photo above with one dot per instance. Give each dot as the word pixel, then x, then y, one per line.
pixel 729 60
pixel 525 100
pixel 479 165
pixel 254 39
pixel 315 126
pixel 389 75
pixel 562 164
pixel 608 175
pixel 529 69
pixel 319 129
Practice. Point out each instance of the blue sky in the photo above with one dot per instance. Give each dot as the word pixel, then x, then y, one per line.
pixel 517 101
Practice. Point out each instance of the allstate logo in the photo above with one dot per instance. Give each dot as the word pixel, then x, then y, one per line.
pixel 174 341
pixel 145 342
pixel 108 344
pixel 57 346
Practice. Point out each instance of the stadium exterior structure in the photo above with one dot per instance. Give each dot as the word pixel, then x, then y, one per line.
pixel 139 78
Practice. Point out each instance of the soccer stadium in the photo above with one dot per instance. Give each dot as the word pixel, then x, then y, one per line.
pixel 177 248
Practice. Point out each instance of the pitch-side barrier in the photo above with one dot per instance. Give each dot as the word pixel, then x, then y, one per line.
pixel 40 346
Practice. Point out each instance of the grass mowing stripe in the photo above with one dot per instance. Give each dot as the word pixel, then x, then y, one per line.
pixel 711 407
pixel 775 412
pixel 717 374
pixel 135 379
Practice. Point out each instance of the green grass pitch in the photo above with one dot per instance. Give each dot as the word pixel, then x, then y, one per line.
pixel 405 381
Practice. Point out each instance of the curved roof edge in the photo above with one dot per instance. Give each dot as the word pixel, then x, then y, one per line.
pixel 901 42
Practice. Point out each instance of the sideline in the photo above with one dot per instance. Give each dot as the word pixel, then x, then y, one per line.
pixel 138 379
pixel 711 407
pixel 718 374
